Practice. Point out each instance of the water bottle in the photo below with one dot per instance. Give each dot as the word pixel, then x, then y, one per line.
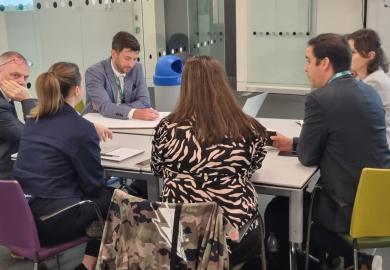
pixel 272 247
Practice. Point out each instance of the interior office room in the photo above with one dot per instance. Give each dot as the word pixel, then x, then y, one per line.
pixel 260 44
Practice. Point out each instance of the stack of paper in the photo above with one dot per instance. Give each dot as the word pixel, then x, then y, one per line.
pixel 120 154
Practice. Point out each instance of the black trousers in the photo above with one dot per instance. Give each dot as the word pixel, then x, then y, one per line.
pixel 72 223
pixel 323 242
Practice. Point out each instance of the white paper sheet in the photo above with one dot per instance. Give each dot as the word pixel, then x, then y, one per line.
pixel 120 154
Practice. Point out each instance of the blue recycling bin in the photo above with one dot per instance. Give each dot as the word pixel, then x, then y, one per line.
pixel 167 80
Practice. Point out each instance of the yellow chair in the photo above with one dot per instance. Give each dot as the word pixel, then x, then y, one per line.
pixel 80 106
pixel 370 224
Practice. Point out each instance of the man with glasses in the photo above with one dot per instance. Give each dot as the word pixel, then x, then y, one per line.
pixel 14 73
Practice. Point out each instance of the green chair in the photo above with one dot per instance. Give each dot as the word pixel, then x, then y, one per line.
pixel 370 224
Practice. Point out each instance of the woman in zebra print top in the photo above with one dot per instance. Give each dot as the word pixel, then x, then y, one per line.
pixel 207 149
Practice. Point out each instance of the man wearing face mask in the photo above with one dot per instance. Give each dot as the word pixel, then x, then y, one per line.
pixel 116 86
pixel 14 73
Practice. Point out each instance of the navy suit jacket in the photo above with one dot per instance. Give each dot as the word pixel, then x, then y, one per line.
pixel 59 157
pixel 10 132
pixel 344 131
pixel 102 90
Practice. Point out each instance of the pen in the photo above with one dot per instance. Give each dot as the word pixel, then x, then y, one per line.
pixel 108 155
pixel 300 122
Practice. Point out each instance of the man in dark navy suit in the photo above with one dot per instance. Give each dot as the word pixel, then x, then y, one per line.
pixel 14 73
pixel 344 131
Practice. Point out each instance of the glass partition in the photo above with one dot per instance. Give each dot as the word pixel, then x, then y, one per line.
pixel 78 33
pixel 277 34
pixel 195 27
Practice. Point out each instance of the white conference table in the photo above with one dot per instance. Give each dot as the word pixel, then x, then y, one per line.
pixel 279 175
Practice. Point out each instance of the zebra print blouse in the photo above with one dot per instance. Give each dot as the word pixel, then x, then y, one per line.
pixel 220 173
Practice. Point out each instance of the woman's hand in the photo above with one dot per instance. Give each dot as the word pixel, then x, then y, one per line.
pixel 103 132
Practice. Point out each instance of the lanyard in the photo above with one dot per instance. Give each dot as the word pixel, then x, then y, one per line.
pixel 339 74
pixel 120 90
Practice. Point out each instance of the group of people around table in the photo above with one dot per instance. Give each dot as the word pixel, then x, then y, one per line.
pixel 207 149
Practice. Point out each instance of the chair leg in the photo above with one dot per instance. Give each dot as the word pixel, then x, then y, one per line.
pixel 355 259
pixel 58 261
pixel 262 245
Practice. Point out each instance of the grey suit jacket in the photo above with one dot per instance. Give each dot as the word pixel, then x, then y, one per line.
pixel 102 91
pixel 344 131
pixel 10 132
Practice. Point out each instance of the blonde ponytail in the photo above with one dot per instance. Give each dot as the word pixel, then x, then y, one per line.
pixel 50 99
pixel 53 87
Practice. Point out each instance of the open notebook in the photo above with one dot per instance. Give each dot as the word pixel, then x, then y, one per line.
pixel 120 154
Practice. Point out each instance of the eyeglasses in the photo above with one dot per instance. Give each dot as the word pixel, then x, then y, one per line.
pixel 18 61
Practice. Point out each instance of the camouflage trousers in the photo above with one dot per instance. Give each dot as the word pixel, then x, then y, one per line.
pixel 140 234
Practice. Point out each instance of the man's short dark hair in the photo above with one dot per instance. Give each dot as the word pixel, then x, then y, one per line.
pixel 333 46
pixel 124 40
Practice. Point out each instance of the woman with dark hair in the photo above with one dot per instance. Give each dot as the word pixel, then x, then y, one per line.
pixel 207 150
pixel 58 162
pixel 369 64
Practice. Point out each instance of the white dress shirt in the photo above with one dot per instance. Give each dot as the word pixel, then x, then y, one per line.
pixel 121 77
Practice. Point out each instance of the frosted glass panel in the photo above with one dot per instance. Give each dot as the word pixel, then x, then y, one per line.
pixel 211 29
pixel 278 32
pixel 10 5
pixel 195 26
pixel 81 34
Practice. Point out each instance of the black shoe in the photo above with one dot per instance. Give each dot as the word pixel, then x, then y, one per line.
pixel 371 262
pixel 42 266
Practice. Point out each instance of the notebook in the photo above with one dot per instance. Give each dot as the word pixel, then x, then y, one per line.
pixel 120 154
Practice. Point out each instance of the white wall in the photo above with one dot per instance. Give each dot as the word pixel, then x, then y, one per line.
pixel 3 34
pixel 379 20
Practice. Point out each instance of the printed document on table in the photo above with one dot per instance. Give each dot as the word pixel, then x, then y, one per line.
pixel 120 154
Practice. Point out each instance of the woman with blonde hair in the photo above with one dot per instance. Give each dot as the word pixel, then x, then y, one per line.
pixel 58 161
pixel 369 64
pixel 207 150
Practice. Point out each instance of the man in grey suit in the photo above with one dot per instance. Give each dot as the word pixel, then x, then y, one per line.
pixel 116 86
pixel 14 73
pixel 344 131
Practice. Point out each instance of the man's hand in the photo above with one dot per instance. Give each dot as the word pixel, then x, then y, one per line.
pixel 103 132
pixel 15 91
pixel 146 114
pixel 282 142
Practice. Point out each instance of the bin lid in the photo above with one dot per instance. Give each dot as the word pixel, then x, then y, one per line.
pixel 168 71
